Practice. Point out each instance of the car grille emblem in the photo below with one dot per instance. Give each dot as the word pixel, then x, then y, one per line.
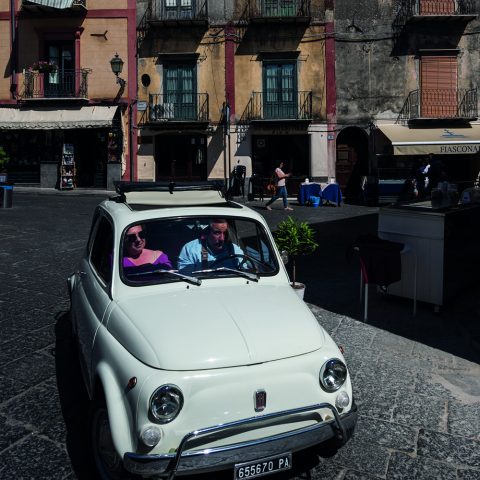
pixel 260 400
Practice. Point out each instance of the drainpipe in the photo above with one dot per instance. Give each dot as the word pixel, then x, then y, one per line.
pixel 13 51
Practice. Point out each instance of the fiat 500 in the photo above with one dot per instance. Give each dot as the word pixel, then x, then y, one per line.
pixel 196 352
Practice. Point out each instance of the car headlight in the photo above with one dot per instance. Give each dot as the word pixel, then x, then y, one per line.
pixel 333 375
pixel 166 403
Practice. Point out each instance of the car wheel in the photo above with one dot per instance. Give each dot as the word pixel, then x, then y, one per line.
pixel 107 462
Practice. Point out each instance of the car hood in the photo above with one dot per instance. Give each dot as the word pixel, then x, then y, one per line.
pixel 208 327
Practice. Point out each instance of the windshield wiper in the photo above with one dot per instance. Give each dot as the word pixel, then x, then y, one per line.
pixel 250 276
pixel 186 278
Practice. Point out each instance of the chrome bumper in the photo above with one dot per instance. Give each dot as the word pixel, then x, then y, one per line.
pixel 209 459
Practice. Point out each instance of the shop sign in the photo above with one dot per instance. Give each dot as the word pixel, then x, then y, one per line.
pixel 141 106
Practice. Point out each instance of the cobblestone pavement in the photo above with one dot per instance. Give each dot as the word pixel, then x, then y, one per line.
pixel 416 379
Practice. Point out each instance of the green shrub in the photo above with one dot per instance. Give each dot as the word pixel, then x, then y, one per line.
pixel 295 238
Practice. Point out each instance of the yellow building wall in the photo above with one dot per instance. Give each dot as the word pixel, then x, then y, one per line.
pixel 310 45
pixel 95 51
pixel 210 67
pixel 4 60
pixel 106 4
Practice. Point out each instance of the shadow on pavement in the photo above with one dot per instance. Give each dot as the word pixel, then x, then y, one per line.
pixel 333 283
pixel 74 399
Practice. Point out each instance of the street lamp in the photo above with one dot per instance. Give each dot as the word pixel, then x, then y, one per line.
pixel 116 63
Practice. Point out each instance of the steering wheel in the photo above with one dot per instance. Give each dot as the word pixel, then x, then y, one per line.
pixel 246 259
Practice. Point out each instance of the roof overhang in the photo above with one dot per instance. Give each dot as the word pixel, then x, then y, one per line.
pixel 53 119
pixel 463 140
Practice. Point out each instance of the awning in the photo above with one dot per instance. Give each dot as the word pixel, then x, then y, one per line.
pixel 54 3
pixel 49 119
pixel 440 141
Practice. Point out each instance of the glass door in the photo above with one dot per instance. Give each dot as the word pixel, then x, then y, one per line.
pixel 180 91
pixel 61 82
pixel 280 91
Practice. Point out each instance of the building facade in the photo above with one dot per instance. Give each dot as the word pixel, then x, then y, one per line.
pixel 66 121
pixel 245 82
pixel 407 73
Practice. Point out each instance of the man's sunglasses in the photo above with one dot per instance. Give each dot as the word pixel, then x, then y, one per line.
pixel 132 237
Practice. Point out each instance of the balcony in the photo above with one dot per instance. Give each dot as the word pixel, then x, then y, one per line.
pixel 284 10
pixel 172 12
pixel 65 7
pixel 62 84
pixel 178 107
pixel 279 106
pixel 439 105
pixel 428 11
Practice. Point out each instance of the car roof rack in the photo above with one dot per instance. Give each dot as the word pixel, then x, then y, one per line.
pixel 167 194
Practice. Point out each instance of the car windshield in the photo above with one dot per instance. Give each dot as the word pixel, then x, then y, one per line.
pixel 190 249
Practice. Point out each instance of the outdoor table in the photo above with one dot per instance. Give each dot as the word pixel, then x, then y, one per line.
pixel 332 193
pixel 308 190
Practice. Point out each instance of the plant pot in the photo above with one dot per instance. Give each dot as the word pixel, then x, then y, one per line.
pixel 299 289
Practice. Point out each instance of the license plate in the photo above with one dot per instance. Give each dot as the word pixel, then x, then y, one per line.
pixel 264 466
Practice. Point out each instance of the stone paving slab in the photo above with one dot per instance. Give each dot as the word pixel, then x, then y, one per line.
pixel 418 403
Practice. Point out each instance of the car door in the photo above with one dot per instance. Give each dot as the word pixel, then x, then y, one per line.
pixel 92 294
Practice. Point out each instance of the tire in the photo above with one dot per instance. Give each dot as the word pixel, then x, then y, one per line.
pixel 107 462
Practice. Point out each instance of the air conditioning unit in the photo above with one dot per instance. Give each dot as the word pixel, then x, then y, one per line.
pixel 162 112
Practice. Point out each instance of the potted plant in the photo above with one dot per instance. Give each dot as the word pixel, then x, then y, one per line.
pixel 295 238
pixel 44 67
pixel 3 164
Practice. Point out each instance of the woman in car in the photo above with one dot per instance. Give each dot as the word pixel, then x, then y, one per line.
pixel 135 253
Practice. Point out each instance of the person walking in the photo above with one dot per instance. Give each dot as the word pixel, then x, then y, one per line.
pixel 281 191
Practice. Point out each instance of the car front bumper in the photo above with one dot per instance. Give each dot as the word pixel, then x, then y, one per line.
pixel 189 462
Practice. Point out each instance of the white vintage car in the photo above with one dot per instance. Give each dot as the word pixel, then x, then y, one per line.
pixel 195 350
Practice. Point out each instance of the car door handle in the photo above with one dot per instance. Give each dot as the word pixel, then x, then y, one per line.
pixel 81 274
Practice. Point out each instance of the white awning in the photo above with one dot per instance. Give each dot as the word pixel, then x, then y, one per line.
pixel 440 141
pixel 49 119
pixel 54 3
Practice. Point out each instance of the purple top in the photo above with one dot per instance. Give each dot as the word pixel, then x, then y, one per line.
pixel 161 260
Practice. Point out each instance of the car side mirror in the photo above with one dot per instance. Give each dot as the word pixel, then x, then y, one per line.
pixel 284 255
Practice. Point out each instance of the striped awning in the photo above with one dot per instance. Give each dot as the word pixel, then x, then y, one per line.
pixel 52 119
pixel 54 3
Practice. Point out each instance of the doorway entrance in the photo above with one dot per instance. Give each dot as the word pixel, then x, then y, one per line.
pixel 181 157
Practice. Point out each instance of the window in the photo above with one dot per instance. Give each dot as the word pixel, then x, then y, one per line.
pixel 178 9
pixel 102 250
pixel 438 86
pixel 279 8
pixel 180 93
pixel 280 90
pixel 61 83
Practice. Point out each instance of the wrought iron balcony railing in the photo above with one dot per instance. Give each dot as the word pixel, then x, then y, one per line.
pixel 439 8
pixel 177 10
pixel 284 105
pixel 439 104
pixel 74 4
pixel 178 107
pixel 58 84
pixel 279 8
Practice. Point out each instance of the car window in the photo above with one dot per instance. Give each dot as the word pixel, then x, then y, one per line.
pixel 167 250
pixel 102 249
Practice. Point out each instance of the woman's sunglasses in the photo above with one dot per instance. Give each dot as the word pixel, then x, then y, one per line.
pixel 132 237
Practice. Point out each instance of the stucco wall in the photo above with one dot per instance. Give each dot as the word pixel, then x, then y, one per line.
pixel 4 60
pixel 210 64
pixel 307 42
pixel 376 68
pixel 95 51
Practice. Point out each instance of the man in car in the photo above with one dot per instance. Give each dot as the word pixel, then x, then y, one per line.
pixel 213 249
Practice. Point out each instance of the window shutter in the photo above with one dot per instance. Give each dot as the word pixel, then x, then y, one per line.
pixel 438 86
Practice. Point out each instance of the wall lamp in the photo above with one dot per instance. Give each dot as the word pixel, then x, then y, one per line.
pixel 116 63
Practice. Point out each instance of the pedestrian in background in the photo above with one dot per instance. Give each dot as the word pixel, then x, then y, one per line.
pixel 281 177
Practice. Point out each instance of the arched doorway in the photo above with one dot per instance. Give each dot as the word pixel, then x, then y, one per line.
pixel 351 162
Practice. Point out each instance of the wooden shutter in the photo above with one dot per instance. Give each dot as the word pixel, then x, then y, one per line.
pixel 437 7
pixel 438 86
